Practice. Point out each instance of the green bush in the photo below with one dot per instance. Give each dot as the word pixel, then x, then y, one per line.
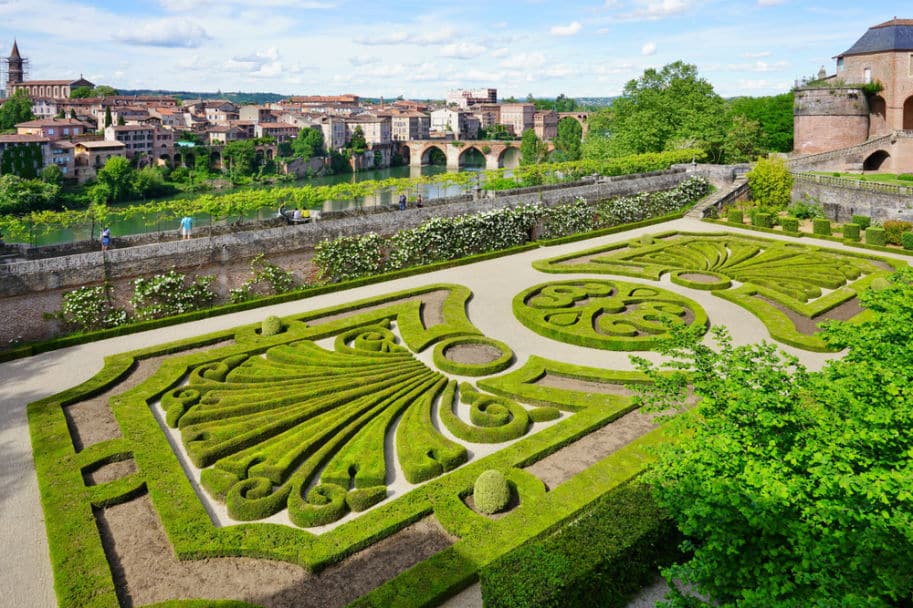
pixel 771 183
pixel 735 216
pixel 851 232
pixel 611 550
pixel 863 221
pixel 875 235
pixel 894 229
pixel 906 240
pixel 806 209
pixel 491 492
pixel 790 224
pixel 764 220
pixel 821 226
pixel 879 284
pixel 906 177
pixel 271 326
pixel 170 294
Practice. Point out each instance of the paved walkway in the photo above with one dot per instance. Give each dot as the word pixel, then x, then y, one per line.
pixel 25 571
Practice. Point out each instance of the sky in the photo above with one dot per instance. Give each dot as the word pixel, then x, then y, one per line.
pixel 420 50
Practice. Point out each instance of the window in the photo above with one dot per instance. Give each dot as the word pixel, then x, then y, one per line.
pixel 911 64
pixel 50 131
pixel 867 75
pixel 66 130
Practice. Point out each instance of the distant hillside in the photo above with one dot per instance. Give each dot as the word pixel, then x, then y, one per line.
pixel 594 102
pixel 237 97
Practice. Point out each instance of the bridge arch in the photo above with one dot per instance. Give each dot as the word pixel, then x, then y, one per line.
pixel 878 160
pixel 509 158
pixel 908 114
pixel 464 155
pixel 428 152
pixel 878 123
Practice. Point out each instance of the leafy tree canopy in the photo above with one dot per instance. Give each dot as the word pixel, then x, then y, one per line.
pixel 358 144
pixel 771 183
pixel 532 149
pixel 794 488
pixel 568 141
pixel 308 143
pixel 16 109
pixel 664 108
pixel 774 115
pixel 19 195
pixel 116 178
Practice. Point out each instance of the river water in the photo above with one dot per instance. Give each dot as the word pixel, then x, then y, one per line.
pixel 157 223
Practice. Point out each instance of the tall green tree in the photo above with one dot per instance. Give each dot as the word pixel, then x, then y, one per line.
pixel 18 196
pixel 532 149
pixel 16 109
pixel 240 157
pixel 775 116
pixel 568 141
pixel 358 144
pixel 108 119
pixel 667 108
pixel 794 488
pixel 116 177
pixel 309 143
pixel 742 142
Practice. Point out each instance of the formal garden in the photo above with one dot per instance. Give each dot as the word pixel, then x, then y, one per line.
pixel 387 452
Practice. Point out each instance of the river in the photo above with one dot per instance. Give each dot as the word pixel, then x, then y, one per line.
pixel 141 225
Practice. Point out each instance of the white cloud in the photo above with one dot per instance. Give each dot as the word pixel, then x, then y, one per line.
pixel 648 49
pixel 523 60
pixel 165 32
pixel 652 10
pixel 462 50
pixel 566 30
pixel 438 36
pixel 769 2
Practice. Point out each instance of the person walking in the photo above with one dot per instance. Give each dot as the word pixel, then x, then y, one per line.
pixel 418 202
pixel 186 226
pixel 402 202
pixel 105 238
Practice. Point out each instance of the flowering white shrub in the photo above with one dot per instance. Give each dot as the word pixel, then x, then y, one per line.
pixel 443 238
pixel 169 294
pixel 90 308
pixel 268 279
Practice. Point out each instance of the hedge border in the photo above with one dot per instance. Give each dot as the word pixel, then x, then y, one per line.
pixel 778 323
pixel 82 574
pixel 472 369
pixel 573 335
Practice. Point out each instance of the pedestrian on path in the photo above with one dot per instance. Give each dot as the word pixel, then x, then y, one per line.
pixel 402 202
pixel 186 226
pixel 105 238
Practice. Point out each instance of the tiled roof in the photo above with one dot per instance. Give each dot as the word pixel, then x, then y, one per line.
pixel 101 144
pixel 5 139
pixel 894 35
pixel 50 122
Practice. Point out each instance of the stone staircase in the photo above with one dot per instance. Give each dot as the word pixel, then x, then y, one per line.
pixel 719 198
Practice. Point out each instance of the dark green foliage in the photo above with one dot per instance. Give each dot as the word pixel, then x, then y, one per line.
pixel 788 484
pixel 358 144
pixel 790 224
pixel 894 229
pixel 806 209
pixel 362 499
pixel 775 116
pixel 23 160
pixel 771 183
pixel 906 177
pixel 875 235
pixel 821 226
pixel 16 109
pixel 764 220
pixel 610 552
pixel 491 492
pixel 863 221
pixel 532 150
pixel 851 232
pixel 20 196
pixel 308 143
pixel 568 141
pixel 735 216
pixel 906 240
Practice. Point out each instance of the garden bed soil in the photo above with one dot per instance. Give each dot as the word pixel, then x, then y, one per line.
pixel 146 570
pixel 472 354
pixel 553 380
pixel 699 277
pixel 809 325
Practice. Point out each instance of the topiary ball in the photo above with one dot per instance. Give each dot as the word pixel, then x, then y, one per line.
pixel 879 283
pixel 271 326
pixel 491 492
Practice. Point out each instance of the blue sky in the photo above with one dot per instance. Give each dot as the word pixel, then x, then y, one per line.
pixel 423 49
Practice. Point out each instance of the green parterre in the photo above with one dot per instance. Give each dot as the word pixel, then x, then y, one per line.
pixel 790 287
pixel 295 422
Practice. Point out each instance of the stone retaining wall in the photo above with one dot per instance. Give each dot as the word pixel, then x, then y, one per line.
pixel 842 201
pixel 201 253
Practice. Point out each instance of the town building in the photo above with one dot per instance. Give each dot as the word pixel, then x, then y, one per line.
pixel 464 98
pixel 281 131
pixel 545 124
pixel 406 126
pixel 16 67
pixel 9 144
pixel 335 132
pixel 137 139
pixel 377 129
pixel 518 117
pixel 63 154
pixel 90 156
pixel 52 128
pixel 255 114
pixel 459 124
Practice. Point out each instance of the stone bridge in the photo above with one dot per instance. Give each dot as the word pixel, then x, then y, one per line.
pixel 892 152
pixel 497 154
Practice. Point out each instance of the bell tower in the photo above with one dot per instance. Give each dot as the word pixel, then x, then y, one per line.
pixel 15 67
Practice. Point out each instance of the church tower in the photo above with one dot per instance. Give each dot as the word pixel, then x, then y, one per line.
pixel 15 67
